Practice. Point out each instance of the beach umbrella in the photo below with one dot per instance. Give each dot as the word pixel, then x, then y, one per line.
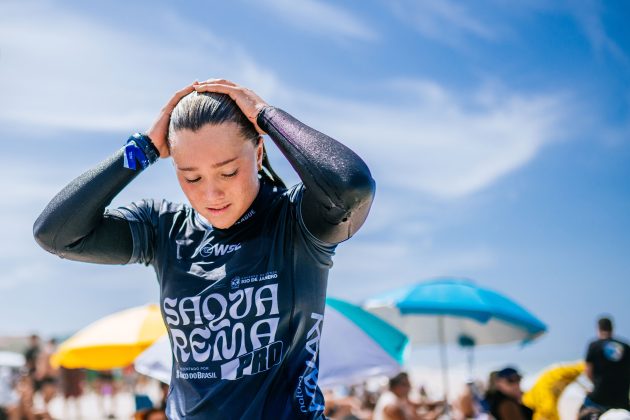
pixel 455 311
pixel 543 396
pixel 11 359
pixel 156 361
pixel 112 342
pixel 354 345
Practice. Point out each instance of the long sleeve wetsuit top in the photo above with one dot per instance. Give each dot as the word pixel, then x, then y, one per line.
pixel 244 306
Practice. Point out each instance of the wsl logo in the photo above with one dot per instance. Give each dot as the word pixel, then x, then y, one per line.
pixel 218 250
pixel 207 248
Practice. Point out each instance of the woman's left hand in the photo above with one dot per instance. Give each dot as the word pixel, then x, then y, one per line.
pixel 250 103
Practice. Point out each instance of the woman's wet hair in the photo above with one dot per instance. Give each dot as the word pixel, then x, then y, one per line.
pixel 198 109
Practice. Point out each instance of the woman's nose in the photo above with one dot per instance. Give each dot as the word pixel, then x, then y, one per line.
pixel 214 194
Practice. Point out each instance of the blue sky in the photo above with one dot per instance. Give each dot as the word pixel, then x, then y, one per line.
pixel 498 134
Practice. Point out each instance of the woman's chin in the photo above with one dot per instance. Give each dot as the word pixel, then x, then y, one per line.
pixel 221 218
pixel 222 225
pixel 220 222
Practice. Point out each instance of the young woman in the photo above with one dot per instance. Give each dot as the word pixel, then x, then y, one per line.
pixel 243 269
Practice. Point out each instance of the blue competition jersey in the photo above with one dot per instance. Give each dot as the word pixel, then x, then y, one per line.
pixel 244 306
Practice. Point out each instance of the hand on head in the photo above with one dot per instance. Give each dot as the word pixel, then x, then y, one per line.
pixel 248 101
pixel 158 132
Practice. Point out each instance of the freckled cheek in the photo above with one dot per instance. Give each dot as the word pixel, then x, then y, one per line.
pixel 190 192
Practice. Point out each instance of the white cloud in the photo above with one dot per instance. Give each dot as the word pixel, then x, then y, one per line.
pixel 101 78
pixel 445 21
pixel 440 142
pixel 321 18
pixel 429 140
pixel 589 15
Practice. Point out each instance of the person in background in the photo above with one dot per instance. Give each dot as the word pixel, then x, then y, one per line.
pixel 46 376
pixel 346 407
pixel 8 396
pixel 471 403
pixel 25 409
pixel 106 388
pixel 492 382
pixel 608 367
pixel 395 404
pixel 504 400
pixel 30 355
pixel 71 381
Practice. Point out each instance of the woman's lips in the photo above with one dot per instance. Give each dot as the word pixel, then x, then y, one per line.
pixel 218 210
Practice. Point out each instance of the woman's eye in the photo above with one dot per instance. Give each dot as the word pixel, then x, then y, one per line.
pixel 230 175
pixel 192 181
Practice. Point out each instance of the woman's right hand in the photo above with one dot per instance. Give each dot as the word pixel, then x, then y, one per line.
pixel 158 133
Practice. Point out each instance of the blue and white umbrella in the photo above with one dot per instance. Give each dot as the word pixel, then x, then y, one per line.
pixel 465 313
pixel 354 345
pixel 455 311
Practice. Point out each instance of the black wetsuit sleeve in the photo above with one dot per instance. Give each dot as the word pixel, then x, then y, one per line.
pixel 74 224
pixel 339 188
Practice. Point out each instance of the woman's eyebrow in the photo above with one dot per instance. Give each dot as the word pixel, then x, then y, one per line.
pixel 225 162
pixel 214 165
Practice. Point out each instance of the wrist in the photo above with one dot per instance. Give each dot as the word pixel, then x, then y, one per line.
pixel 260 116
pixel 145 143
pixel 153 150
pixel 139 149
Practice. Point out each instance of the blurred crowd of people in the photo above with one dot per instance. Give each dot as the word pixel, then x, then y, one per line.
pixel 606 365
pixel 26 393
pixel 397 400
pixel 37 377
pixel 400 400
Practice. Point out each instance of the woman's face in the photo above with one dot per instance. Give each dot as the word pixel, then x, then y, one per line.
pixel 217 170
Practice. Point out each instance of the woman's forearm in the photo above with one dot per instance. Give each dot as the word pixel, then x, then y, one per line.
pixel 339 188
pixel 73 224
